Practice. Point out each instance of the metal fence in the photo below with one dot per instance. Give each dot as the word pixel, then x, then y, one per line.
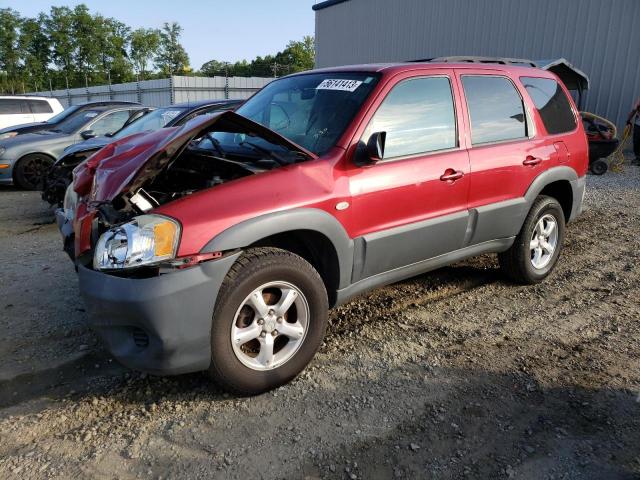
pixel 166 91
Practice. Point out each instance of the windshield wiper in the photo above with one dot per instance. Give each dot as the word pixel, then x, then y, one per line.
pixel 265 151
pixel 216 144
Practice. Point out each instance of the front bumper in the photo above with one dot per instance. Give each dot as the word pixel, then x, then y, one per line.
pixel 160 325
pixel 6 174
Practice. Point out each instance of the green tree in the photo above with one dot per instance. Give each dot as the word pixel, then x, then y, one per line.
pixel 215 67
pixel 144 47
pixel 113 42
pixel 33 46
pixel 9 54
pixel 296 57
pixel 299 55
pixel 84 31
pixel 59 30
pixel 172 59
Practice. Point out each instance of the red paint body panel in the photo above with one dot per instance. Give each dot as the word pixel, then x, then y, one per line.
pixel 381 196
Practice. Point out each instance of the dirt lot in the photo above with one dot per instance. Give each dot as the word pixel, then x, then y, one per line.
pixel 454 374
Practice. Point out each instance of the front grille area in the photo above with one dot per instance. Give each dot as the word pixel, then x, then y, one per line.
pixel 140 338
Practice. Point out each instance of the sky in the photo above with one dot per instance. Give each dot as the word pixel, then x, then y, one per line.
pixel 214 29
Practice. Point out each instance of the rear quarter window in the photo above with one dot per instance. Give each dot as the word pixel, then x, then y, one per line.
pixel 552 104
pixel 39 106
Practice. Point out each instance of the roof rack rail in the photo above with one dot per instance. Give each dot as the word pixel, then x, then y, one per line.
pixel 471 59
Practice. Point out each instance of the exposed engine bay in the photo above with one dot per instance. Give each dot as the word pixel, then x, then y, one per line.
pixel 196 170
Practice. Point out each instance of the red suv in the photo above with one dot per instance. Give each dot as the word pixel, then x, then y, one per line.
pixel 221 244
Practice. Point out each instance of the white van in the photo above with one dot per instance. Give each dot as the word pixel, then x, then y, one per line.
pixel 18 109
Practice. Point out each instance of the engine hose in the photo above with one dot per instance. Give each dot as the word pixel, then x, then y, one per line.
pixel 616 159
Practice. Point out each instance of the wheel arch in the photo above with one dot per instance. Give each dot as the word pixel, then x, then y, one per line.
pixel 561 183
pixel 310 233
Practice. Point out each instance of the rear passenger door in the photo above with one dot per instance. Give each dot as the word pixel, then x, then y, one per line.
pixel 411 205
pixel 505 152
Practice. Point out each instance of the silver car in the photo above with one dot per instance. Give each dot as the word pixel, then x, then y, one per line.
pixel 25 159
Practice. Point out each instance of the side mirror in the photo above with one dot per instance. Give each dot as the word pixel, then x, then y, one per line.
pixel 87 134
pixel 375 146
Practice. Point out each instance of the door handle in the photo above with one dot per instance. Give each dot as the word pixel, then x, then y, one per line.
pixel 531 161
pixel 451 175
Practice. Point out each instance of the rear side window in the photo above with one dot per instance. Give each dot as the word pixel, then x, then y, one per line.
pixel 9 106
pixel 496 109
pixel 39 106
pixel 552 104
pixel 417 116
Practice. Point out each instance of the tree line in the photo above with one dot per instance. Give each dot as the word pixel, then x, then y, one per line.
pixel 73 47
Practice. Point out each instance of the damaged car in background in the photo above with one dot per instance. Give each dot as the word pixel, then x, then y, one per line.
pixel 221 244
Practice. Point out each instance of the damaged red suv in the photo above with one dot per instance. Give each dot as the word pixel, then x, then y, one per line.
pixel 220 245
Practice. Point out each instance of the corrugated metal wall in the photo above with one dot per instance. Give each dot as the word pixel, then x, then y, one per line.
pixel 602 38
pixel 156 93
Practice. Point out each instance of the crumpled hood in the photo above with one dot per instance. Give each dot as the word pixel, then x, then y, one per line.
pixel 124 165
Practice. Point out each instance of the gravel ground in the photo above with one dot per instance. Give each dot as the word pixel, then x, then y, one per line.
pixel 454 374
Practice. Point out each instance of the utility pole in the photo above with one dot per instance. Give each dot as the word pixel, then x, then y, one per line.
pixel 226 80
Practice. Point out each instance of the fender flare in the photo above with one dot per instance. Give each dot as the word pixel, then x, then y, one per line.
pixel 555 174
pixel 250 231
pixel 549 176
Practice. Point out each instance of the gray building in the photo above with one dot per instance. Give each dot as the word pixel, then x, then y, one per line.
pixel 601 38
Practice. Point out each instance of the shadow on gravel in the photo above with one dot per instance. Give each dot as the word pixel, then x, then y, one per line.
pixel 498 426
pixel 79 374
pixel 411 422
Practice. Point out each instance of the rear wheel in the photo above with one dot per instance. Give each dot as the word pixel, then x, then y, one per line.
pixel 599 167
pixel 30 171
pixel 269 321
pixel 536 249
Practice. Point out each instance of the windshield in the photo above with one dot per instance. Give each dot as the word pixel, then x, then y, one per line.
pixel 311 110
pixel 63 114
pixel 151 121
pixel 75 122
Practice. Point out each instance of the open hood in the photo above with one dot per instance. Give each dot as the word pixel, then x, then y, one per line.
pixel 125 165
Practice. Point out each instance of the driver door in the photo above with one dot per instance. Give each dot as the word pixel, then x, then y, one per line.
pixel 412 205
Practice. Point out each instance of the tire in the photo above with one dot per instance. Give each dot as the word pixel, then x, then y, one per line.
pixel 241 367
pixel 521 263
pixel 599 167
pixel 30 171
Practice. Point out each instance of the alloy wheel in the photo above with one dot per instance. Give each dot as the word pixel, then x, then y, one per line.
pixel 544 241
pixel 270 326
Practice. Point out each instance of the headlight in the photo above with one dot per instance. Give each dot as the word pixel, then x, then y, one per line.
pixel 4 136
pixel 147 240
pixel 2 150
pixel 70 202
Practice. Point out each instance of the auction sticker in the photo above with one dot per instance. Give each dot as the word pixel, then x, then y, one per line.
pixel 339 84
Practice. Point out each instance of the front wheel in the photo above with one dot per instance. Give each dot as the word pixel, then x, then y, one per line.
pixel 30 171
pixel 269 321
pixel 536 249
